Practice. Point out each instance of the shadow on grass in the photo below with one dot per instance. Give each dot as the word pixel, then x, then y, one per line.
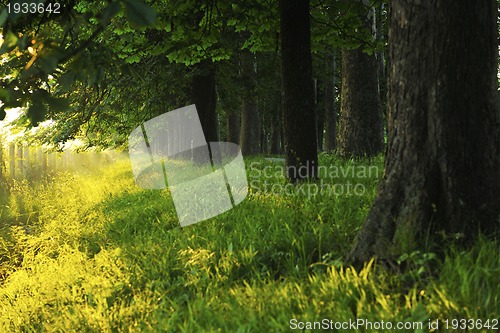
pixel 132 217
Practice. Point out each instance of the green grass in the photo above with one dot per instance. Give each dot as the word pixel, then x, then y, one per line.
pixel 95 253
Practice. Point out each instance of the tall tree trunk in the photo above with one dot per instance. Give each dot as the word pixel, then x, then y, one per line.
pixel 233 127
pixel 442 166
pixel 330 110
pixel 296 64
pixel 276 121
pixel 381 55
pixel 204 97
pixel 250 128
pixel 250 122
pixel 360 125
pixel 320 114
pixel 276 133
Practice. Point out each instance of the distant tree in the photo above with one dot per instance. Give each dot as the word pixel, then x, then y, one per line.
pixel 360 125
pixel 329 105
pixel 276 131
pixel 233 126
pixel 203 96
pixel 299 119
pixel 250 121
pixel 442 169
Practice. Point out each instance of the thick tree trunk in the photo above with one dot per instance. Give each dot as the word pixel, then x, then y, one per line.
pixel 360 125
pixel 330 110
pixel 296 64
pixel 382 73
pixel 442 166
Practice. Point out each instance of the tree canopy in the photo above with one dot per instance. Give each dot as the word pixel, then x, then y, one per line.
pixel 98 69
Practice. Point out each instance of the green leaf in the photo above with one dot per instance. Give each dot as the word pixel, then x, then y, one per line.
pixel 140 14
pixel 9 42
pixel 2 113
pixel 58 104
pixel 109 12
pixel 66 81
pixel 49 63
pixel 3 17
pixel 4 95
pixel 133 58
pixel 36 112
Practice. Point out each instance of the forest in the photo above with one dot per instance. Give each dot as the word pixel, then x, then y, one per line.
pixel 249 166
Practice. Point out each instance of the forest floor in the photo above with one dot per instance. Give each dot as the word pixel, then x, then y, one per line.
pixel 95 253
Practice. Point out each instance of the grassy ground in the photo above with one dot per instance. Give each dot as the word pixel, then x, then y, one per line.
pixel 95 253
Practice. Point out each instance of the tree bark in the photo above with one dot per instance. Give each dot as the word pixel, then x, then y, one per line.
pixel 276 133
pixel 330 110
pixel 250 122
pixel 442 167
pixel 296 65
pixel 320 114
pixel 204 97
pixel 360 125
pixel 250 128
pixel 233 127
pixel 1 162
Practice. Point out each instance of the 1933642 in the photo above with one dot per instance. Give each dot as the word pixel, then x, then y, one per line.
pixel 33 8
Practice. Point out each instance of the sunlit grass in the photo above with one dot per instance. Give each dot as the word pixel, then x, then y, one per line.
pixel 93 252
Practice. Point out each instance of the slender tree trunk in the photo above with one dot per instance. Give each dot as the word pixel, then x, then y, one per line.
pixel 250 122
pixel 442 167
pixel 233 127
pixel 276 134
pixel 203 96
pixel 320 114
pixel 296 64
pixel 250 128
pixel 277 121
pixel 330 110
pixel 264 146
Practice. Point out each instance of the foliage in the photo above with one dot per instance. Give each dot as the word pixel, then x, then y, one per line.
pixel 99 69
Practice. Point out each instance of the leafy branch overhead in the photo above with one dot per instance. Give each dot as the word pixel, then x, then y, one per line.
pixel 123 61
pixel 40 51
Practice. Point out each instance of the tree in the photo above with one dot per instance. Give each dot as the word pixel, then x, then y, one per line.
pixel 250 122
pixel 203 96
pixel 360 125
pixel 329 104
pixel 296 64
pixel 442 166
pixel 233 126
